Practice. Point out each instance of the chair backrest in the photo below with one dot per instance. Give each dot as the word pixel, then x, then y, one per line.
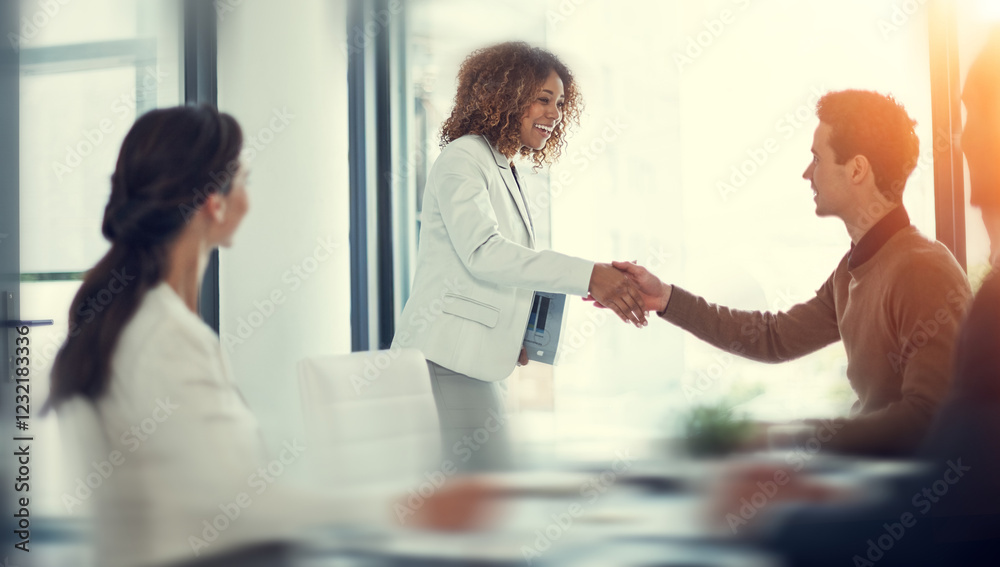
pixel 85 453
pixel 370 417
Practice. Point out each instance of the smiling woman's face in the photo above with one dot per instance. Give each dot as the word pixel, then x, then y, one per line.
pixel 544 113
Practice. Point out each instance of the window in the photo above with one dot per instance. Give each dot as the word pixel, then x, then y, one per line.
pixel 87 70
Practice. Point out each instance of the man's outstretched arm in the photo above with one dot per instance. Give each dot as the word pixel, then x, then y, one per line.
pixel 758 335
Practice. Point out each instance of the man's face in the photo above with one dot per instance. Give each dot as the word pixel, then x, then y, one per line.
pixel 830 181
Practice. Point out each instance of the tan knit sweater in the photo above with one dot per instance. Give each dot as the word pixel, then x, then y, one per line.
pixel 898 315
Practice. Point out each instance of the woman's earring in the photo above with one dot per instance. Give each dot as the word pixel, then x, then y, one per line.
pixel 218 206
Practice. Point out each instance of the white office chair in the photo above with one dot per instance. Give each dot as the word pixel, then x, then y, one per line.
pixel 370 417
pixel 83 442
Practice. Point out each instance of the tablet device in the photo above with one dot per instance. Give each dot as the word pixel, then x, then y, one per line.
pixel 545 324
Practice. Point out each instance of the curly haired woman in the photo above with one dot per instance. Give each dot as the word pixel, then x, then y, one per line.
pixel 477 267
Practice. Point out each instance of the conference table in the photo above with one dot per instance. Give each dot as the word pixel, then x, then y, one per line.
pixel 651 513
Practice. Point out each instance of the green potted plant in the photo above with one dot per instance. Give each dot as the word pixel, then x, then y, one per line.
pixel 714 430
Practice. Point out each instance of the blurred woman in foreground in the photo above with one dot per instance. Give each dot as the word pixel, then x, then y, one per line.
pixel 189 475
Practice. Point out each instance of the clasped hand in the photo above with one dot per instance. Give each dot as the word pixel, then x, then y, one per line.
pixel 629 290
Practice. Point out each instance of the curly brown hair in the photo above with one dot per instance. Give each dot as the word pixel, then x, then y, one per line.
pixel 496 85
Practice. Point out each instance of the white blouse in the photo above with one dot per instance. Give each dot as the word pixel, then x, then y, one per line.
pixel 191 476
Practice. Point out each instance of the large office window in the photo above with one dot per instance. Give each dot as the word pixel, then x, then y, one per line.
pixel 87 70
pixel 698 126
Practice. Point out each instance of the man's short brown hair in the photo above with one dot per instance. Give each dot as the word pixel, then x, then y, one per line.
pixel 875 126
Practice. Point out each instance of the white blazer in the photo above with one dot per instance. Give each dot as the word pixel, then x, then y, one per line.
pixel 185 449
pixel 477 269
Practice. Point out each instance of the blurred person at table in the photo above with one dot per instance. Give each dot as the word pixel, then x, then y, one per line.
pixel 949 512
pixel 191 478
pixel 895 299
pixel 477 266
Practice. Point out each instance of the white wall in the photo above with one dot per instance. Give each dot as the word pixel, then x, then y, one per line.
pixel 284 67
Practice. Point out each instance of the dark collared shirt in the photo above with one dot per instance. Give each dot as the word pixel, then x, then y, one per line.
pixel 877 236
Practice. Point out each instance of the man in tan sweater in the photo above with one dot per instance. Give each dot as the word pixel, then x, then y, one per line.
pixel 895 299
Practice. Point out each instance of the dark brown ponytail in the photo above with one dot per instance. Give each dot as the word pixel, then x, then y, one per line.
pixel 170 162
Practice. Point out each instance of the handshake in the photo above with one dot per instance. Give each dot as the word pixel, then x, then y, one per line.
pixel 629 290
